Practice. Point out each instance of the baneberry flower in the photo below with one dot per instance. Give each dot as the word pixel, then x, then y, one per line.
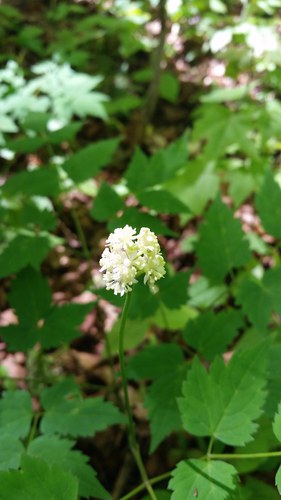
pixel 127 256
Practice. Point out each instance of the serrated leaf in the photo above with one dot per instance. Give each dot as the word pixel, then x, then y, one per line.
pixel 30 296
pixel 61 324
pixel 153 362
pixel 144 172
pixel 206 479
pixel 274 380
pixel 210 333
pixel 278 480
pixel 259 298
pixel 23 250
pixel 76 416
pixel 56 451
pixel 277 423
pixel 196 185
pixel 161 402
pixel 10 452
pixel 37 477
pixel 162 201
pixel 228 129
pixel 222 403
pixel 221 246
pixel 15 414
pixel 106 204
pixel 268 203
pixel 88 161
pixel 19 338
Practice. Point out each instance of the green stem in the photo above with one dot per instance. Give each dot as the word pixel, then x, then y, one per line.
pixel 131 428
pixel 33 428
pixel 211 442
pixel 238 456
pixel 141 487
pixel 81 234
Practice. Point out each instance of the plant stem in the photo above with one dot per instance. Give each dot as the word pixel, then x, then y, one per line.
pixel 131 429
pixel 238 456
pixel 210 446
pixel 141 487
pixel 80 233
pixel 33 428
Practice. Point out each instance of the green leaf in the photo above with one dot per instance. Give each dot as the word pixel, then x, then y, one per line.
pixel 196 185
pixel 162 201
pixel 76 416
pixel 203 294
pixel 274 380
pixel 160 495
pixel 161 402
pixel 26 145
pixel 222 404
pixel 278 480
pixel 144 304
pixel 222 246
pixel 133 217
pixel 259 298
pixel 61 324
pixel 19 338
pixel 227 129
pixel 277 423
pixel 211 333
pixel 15 414
pixel 30 296
pixel 67 133
pixel 169 87
pixel 268 203
pixel 106 204
pixel 173 289
pixel 10 452
pixel 37 477
pixel 56 451
pixel 88 161
pixel 23 250
pixel 206 479
pixel 146 172
pixel 155 361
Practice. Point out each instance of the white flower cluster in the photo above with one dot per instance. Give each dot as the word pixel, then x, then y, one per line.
pixel 128 255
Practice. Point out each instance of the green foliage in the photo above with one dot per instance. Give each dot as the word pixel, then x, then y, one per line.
pixel 259 298
pixel 39 321
pixel 68 414
pixel 59 452
pixel 36 475
pixel 221 246
pixel 211 333
pixel 224 398
pixel 268 203
pixel 79 159
pixel 211 480
pixel 15 414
